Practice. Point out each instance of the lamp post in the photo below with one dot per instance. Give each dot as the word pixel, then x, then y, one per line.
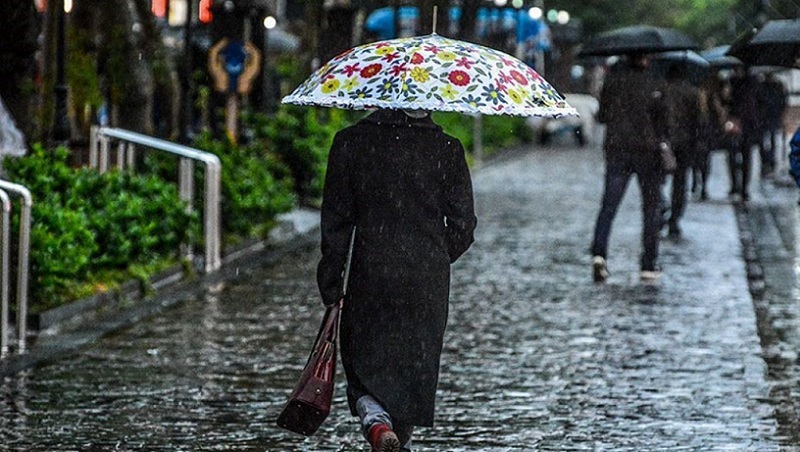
pixel 187 86
pixel 61 129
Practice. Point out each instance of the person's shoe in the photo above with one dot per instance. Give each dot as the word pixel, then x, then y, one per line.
pixel 599 269
pixel 383 439
pixel 650 276
pixel 674 230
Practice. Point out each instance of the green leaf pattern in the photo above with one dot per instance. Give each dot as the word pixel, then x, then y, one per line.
pixel 431 73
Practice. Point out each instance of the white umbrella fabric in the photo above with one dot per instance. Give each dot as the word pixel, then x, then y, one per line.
pixel 431 73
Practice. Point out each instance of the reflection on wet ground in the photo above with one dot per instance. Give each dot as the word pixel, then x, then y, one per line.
pixel 537 357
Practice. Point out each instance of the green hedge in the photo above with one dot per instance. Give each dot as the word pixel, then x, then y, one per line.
pixel 301 137
pixel 86 226
pixel 256 187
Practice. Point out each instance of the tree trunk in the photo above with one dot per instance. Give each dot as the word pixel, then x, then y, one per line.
pixel 166 96
pixel 117 41
pixel 314 27
pixel 18 35
pixel 467 31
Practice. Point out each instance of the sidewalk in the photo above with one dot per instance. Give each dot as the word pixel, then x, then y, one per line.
pixel 537 356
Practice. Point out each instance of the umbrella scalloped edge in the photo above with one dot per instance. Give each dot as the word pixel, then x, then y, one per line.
pixel 351 104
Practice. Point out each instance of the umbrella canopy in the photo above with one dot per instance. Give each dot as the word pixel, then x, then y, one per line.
pixel 777 43
pixel 637 39
pixel 431 73
pixel 719 59
pixel 695 68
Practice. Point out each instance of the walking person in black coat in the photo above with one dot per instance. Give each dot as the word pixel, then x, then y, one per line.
pixel 686 120
pixel 405 186
pixel 744 125
pixel 633 108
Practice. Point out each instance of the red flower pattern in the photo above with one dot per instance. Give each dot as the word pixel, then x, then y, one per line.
pixel 519 78
pixel 464 62
pixel 459 78
pixel 399 69
pixel 371 70
pixel 351 69
pixel 413 61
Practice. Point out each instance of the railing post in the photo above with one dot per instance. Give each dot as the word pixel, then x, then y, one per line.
pixel 211 221
pixel 131 156
pixel 94 141
pixel 102 164
pixel 5 224
pixel 121 155
pixel 213 260
pixel 186 192
pixel 23 258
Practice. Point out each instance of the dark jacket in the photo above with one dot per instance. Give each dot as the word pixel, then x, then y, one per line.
pixel 406 187
pixel 633 108
pixel 744 107
pixel 685 119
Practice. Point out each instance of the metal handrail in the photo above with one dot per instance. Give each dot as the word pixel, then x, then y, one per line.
pixel 5 223
pixel 99 158
pixel 23 259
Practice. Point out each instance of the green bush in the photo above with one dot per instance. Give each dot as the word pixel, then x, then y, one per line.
pixel 301 138
pixel 85 223
pixel 255 186
pixel 498 131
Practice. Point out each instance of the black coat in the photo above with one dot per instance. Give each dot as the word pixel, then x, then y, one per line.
pixel 406 187
pixel 635 112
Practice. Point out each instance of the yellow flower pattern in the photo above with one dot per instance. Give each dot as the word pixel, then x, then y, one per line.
pixel 431 73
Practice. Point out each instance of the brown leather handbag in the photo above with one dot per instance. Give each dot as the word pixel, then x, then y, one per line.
pixel 310 402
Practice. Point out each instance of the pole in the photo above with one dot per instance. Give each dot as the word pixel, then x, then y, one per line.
pixel 186 101
pixel 61 132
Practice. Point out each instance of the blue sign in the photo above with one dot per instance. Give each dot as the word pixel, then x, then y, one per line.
pixel 234 56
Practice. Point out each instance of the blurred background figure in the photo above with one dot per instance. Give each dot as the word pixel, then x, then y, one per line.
pixel 772 106
pixel 744 127
pixel 686 120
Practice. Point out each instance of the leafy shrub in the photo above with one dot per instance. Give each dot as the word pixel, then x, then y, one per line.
pixel 301 138
pixel 84 223
pixel 498 131
pixel 255 186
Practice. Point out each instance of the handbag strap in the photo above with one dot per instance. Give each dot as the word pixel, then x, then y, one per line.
pixel 349 260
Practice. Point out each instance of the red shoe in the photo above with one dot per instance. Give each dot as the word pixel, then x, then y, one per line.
pixel 383 439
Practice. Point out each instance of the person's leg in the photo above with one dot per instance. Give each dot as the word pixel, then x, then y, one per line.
pixel 747 162
pixel 616 181
pixel 733 167
pixel 376 425
pixel 678 198
pixel 649 183
pixel 705 170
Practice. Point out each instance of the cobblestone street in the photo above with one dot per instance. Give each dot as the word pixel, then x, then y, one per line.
pixel 537 356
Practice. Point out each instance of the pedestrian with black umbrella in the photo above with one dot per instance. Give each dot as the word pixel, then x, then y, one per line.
pixel 634 110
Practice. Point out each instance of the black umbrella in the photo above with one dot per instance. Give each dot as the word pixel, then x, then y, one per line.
pixel 694 67
pixel 719 59
pixel 777 43
pixel 637 39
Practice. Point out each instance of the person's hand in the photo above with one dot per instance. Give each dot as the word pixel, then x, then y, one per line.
pixel 332 301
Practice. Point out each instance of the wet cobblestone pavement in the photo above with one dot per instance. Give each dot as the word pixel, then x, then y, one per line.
pixel 537 357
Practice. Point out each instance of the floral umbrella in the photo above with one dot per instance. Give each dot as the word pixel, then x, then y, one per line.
pixel 431 73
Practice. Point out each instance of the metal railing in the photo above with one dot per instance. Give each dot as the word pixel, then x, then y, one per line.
pixel 22 264
pixel 99 154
